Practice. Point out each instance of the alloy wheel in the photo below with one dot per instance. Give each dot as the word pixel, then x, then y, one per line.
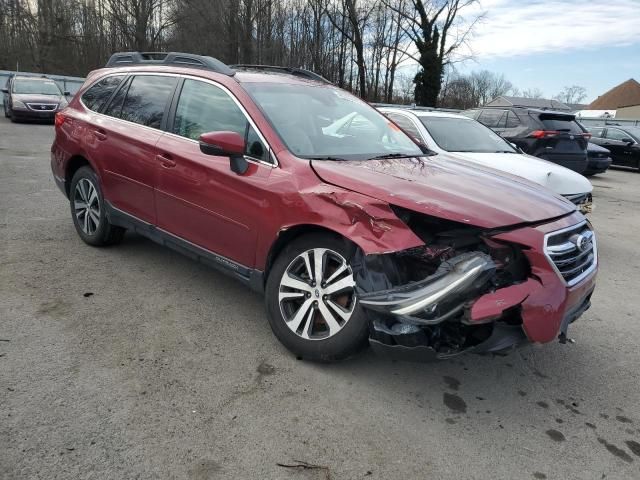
pixel 317 294
pixel 86 205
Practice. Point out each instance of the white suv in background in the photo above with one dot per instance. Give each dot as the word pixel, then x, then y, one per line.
pixel 467 139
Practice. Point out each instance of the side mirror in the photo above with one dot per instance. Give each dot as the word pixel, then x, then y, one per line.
pixel 66 93
pixel 627 140
pixel 5 90
pixel 226 144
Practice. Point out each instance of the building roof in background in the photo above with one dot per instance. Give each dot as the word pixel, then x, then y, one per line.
pixel 506 101
pixel 624 95
pixel 575 107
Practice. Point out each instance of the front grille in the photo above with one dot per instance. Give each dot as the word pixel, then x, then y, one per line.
pixel 572 251
pixel 579 198
pixel 42 107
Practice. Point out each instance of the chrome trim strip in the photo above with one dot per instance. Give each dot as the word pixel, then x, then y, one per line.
pixel 53 105
pixel 586 273
pixel 270 151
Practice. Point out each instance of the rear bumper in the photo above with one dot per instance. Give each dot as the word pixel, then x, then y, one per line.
pixel 598 165
pixel 575 162
pixel 56 171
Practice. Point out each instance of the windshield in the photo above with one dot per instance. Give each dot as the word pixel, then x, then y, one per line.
pixel 634 133
pixel 37 87
pixel 464 135
pixel 328 123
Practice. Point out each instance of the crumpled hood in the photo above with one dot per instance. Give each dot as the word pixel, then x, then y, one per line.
pixel 551 175
pixel 445 187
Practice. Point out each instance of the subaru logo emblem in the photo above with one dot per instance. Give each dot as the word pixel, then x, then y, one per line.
pixel 581 242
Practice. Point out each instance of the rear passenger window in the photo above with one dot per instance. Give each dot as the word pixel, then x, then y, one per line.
pixel 512 120
pixel 147 99
pixel 96 96
pixel 406 125
pixel 615 134
pixel 203 108
pixel 491 118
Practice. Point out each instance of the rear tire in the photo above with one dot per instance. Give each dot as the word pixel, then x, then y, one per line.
pixel 88 210
pixel 6 112
pixel 313 310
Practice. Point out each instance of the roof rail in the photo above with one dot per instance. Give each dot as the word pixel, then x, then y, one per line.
pixel 299 72
pixel 170 59
pixel 413 106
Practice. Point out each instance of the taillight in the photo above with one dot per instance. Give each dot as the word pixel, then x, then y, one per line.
pixel 60 118
pixel 543 133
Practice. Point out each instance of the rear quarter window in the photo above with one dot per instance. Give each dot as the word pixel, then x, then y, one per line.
pixel 492 118
pixel 97 95
pixel 512 120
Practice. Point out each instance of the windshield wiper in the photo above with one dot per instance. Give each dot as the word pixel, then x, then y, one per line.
pixel 394 155
pixel 328 157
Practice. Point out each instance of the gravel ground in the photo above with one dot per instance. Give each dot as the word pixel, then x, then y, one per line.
pixel 134 362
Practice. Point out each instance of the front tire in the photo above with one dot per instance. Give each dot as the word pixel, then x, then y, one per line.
pixel 88 210
pixel 311 299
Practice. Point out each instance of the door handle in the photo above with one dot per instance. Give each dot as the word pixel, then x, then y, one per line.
pixel 100 134
pixel 165 160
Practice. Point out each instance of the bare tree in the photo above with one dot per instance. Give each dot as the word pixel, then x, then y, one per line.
pixel 572 94
pixel 531 93
pixel 475 89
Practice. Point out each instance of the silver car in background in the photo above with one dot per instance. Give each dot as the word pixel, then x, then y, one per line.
pixel 32 98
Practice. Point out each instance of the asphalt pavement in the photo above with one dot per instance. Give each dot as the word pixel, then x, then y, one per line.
pixel 133 362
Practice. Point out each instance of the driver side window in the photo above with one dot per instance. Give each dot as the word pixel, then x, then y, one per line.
pixel 203 108
pixel 615 134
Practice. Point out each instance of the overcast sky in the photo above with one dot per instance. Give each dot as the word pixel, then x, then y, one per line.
pixel 551 43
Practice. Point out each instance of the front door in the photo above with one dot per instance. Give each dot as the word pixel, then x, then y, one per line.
pixel 620 150
pixel 198 197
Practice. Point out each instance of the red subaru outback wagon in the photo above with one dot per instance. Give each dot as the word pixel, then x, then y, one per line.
pixel 302 191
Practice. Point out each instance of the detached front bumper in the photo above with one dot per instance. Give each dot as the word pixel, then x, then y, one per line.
pixel 584 202
pixel 537 310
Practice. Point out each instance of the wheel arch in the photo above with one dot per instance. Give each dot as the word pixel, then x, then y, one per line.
pixel 288 235
pixel 73 165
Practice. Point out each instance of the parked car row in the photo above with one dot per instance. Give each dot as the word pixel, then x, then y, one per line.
pixel 560 138
pixel 353 231
pixel 470 140
pixel 553 136
pixel 622 141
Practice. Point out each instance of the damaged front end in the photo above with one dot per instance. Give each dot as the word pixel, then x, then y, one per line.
pixel 422 301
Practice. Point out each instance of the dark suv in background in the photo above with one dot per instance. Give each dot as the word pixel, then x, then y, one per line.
pixel 550 135
pixel 623 142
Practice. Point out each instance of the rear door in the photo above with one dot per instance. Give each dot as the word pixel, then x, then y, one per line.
pixel 198 197
pixel 126 136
